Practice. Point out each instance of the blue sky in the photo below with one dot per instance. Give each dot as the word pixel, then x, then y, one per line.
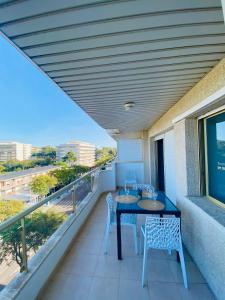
pixel 34 110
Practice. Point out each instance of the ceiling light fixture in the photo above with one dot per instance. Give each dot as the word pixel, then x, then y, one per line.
pixel 129 105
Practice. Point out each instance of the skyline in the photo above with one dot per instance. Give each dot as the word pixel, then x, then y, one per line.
pixel 36 110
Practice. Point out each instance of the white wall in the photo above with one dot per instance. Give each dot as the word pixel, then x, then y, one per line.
pixel 123 168
pixel 130 158
pixel 130 150
pixel 170 165
pixel 108 178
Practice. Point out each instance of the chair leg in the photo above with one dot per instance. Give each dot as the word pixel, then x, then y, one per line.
pixel 141 243
pixel 106 239
pixel 145 257
pixel 135 239
pixel 183 267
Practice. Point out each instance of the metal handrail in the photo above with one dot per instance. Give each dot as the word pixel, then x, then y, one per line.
pixel 20 217
pixel 12 220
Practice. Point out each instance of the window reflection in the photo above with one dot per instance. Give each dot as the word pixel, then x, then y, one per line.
pixel 215 134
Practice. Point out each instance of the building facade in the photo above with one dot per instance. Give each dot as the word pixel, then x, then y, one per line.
pixel 14 181
pixel 14 151
pixel 84 152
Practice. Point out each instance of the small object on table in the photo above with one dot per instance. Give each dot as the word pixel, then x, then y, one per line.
pixel 146 194
pixel 151 205
pixel 126 199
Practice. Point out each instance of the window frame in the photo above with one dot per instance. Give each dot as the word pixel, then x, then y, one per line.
pixel 205 152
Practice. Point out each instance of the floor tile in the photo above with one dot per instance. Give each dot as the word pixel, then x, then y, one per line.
pixel 108 267
pixel 131 268
pixel 87 246
pixel 132 290
pixel 68 287
pixel 193 274
pixel 164 291
pixel 197 292
pixel 79 264
pixel 159 270
pixel 104 289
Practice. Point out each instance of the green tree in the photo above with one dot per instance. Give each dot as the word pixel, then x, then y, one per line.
pixel 105 154
pixel 2 169
pixel 70 158
pixel 46 152
pixel 42 184
pixel 39 226
pixel 66 175
pixel 10 208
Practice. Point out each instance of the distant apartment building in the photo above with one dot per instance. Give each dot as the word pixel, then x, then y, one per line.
pixel 14 181
pixel 14 150
pixel 85 152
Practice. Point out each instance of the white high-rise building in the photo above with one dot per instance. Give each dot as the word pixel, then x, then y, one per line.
pixel 84 152
pixel 14 150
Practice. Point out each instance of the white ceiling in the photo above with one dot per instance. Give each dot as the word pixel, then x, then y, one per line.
pixel 105 53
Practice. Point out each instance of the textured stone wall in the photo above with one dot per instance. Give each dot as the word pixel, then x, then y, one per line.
pixel 204 238
pixel 209 84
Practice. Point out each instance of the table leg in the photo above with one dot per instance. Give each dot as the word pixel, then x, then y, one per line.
pixel 119 248
pixel 178 256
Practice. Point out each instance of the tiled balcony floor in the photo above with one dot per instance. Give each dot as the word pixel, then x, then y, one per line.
pixel 87 274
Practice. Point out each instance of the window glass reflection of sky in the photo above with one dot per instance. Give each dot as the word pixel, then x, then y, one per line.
pixel 220 131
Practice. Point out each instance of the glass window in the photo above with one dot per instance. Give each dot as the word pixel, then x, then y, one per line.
pixel 215 156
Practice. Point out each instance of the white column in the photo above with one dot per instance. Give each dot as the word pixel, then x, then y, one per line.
pixel 187 163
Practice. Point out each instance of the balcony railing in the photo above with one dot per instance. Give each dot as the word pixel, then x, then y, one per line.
pixel 20 229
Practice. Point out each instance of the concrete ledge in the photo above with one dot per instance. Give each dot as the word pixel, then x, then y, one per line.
pixel 204 236
pixel 213 210
pixel 28 285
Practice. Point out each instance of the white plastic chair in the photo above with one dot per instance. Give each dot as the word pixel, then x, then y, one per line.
pixel 163 234
pixel 130 179
pixel 126 219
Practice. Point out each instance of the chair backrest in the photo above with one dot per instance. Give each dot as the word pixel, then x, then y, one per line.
pixel 163 233
pixel 131 175
pixel 111 207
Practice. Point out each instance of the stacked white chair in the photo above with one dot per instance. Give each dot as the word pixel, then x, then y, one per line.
pixel 126 220
pixel 130 179
pixel 163 234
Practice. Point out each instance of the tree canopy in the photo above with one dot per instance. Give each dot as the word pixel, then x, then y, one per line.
pixel 46 152
pixel 42 184
pixel 10 208
pixel 2 169
pixel 70 158
pixel 16 165
pixel 38 227
pixel 66 175
pixel 105 154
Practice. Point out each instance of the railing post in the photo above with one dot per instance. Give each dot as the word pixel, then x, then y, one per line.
pixel 74 199
pixel 24 246
pixel 92 182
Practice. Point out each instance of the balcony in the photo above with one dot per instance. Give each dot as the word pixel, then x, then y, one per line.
pixel 72 263
pixel 86 273
pixel 152 74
